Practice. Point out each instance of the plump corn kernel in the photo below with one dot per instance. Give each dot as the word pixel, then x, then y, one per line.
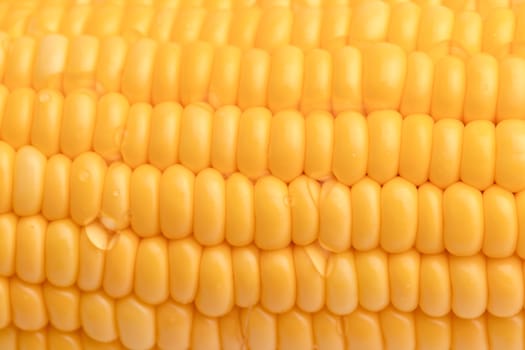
pixel 97 316
pixel 434 298
pixel 342 294
pixel 151 276
pixel 27 304
pixel 334 216
pixel 119 269
pixel 63 307
pixel 61 253
pixel 350 147
pixel 468 283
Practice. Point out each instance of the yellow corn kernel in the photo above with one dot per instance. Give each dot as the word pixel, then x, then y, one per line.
pixel 505 332
pixel 365 213
pixel 362 329
pixel 45 126
pixel 509 163
pixel 80 66
pixel 151 278
pixel 469 331
pixel 278 287
pixel 447 140
pixel 351 147
pixel 224 139
pixel 277 24
pixel 27 304
pixel 209 207
pixel 176 191
pixel 63 307
pixel 374 293
pixel 404 21
pixel 342 293
pixel 398 215
pixel 347 71
pixel 478 154
pixel 285 80
pixel 30 249
pixel 260 328
pixel 429 236
pixel 135 323
pixel 384 70
pixel 135 136
pixel 78 123
pixel 144 200
pixel 19 63
pixel 138 71
pixel 246 276
pixel 174 322
pixel 468 284
pixel 97 316
pixel 61 253
pixel 86 181
pixel 195 137
pixel 110 64
pixel 115 204
pixel 335 217
pixel 462 219
pixel 225 75
pixel 383 157
pixel 303 194
pixel 48 68
pixel 505 287
pixel 184 259
pixel 417 92
pixel 415 152
pixel 253 79
pixel 434 286
pixel 448 92
pixel 91 257
pixel 294 330
pixel 215 292
pixel 272 214
pixel 119 269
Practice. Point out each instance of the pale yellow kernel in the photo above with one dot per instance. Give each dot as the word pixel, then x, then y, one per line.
pixel 62 306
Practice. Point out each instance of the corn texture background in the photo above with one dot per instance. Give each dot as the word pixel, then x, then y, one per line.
pixel 259 175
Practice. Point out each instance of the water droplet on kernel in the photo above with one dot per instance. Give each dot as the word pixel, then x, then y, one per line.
pixel 100 237
pixel 108 222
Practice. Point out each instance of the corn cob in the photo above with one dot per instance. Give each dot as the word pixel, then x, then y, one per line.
pixel 305 187
pixel 267 26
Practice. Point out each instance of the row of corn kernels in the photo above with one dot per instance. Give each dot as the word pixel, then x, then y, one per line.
pixel 177 203
pixel 408 24
pixel 374 77
pixel 172 325
pixel 256 143
pixel 215 278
